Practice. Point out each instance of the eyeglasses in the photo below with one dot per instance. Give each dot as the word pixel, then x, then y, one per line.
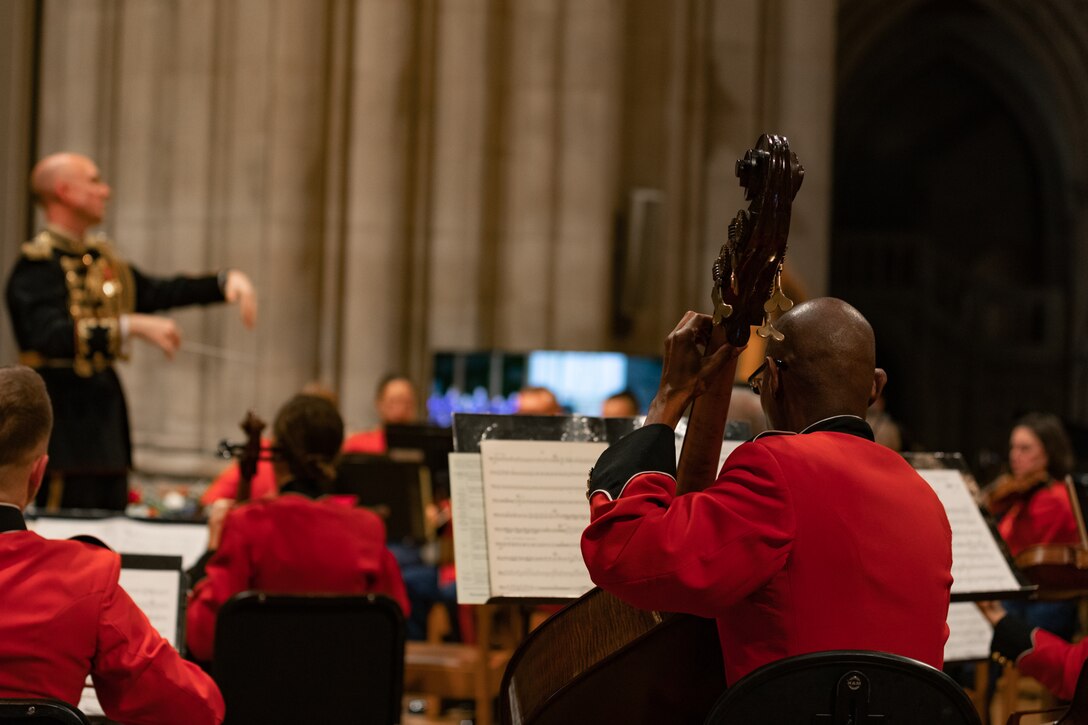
pixel 756 378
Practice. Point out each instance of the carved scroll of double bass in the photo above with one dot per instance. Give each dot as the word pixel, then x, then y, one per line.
pixel 600 659
pixel 747 291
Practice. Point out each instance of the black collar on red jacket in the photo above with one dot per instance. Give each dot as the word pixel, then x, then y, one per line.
pixel 835 424
pixel 11 519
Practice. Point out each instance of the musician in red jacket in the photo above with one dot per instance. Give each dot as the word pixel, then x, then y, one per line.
pixel 64 614
pixel 294 543
pixel 1036 652
pixel 813 537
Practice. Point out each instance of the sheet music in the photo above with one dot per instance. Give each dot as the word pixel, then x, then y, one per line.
pixel 158 593
pixel 977 562
pixel 969 633
pixel 536 511
pixel 129 536
pixel 469 529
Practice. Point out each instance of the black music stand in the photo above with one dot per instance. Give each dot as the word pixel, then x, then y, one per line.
pixel 399 490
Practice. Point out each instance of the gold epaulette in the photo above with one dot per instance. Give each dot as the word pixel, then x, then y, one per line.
pixel 39 248
pixel 99 241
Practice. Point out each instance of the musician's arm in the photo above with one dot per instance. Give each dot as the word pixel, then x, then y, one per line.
pixel 693 553
pixel 1036 652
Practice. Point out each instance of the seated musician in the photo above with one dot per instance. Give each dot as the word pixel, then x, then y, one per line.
pixel 1036 652
pixel 1033 506
pixel 263 485
pixel 396 403
pixel 64 613
pixel 812 537
pixel 294 543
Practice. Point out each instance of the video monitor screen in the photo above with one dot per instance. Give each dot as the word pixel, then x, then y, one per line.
pixel 489 381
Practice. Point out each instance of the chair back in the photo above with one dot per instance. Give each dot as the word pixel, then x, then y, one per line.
pixel 840 687
pixel 310 658
pixel 39 712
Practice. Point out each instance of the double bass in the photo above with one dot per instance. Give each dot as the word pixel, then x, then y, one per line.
pixel 600 659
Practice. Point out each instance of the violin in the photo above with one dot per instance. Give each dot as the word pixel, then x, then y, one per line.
pixel 1008 490
pixel 579 665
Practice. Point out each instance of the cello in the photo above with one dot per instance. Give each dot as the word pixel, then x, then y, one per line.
pixel 599 644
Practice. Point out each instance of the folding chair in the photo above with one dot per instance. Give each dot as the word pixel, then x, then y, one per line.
pixel 39 712
pixel 310 658
pixel 840 687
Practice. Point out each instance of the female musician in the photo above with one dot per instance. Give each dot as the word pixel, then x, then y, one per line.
pixel 1033 504
pixel 296 542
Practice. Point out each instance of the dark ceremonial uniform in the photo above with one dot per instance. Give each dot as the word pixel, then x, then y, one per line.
pixel 818 541
pixel 292 544
pixel 65 615
pixel 65 298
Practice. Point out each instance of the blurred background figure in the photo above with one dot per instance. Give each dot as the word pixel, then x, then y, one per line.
pixel 397 403
pixel 263 485
pixel 1031 503
pixel 538 401
pixel 623 404
pixel 293 543
pixel 745 406
pixel 885 430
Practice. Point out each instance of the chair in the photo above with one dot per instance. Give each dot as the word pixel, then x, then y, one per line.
pixel 39 712
pixel 310 658
pixel 840 687
pixel 460 671
pixel 1076 713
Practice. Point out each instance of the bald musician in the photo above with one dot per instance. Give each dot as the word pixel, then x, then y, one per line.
pixel 812 537
pixel 64 613
pixel 73 304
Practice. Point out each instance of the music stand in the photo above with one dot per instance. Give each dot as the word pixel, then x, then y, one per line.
pixel 399 490
pixel 427 444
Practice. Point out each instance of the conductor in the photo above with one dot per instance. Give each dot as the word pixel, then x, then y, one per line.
pixel 74 303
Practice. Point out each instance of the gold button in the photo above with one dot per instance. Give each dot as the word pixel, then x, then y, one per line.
pixel 88 259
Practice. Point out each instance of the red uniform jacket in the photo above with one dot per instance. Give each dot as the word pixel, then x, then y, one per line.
pixel 1054 662
pixel 368 441
pixel 1046 517
pixel 63 615
pixel 292 544
pixel 804 543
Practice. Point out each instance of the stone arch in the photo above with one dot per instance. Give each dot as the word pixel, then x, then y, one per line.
pixel 959 221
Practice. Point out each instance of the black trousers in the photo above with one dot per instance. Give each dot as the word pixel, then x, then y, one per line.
pixel 104 492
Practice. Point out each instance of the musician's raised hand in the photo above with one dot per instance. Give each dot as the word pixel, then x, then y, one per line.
pixel 695 352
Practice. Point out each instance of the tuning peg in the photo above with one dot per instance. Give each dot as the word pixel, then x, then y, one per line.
pixel 778 301
pixel 767 330
pixel 721 309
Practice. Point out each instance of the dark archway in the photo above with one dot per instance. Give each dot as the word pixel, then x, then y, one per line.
pixel 956 227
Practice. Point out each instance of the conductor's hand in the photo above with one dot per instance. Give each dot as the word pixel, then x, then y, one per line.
pixel 240 290
pixel 695 351
pixel 162 332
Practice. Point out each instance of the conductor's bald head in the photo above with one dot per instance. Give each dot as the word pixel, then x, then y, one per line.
pixel 829 356
pixel 68 188
pixel 26 420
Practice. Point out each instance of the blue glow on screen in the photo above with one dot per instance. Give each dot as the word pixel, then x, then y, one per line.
pixel 580 380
